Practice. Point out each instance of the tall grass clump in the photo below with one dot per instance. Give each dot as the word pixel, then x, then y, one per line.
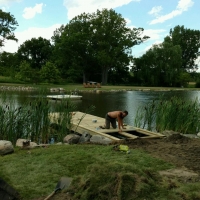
pixel 174 114
pixel 32 120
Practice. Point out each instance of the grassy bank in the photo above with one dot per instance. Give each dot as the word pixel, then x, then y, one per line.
pixel 98 172
pixel 80 87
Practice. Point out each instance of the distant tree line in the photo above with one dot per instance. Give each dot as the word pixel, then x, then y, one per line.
pixel 98 47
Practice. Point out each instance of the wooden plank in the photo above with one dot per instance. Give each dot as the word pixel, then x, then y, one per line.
pixel 81 130
pixel 128 135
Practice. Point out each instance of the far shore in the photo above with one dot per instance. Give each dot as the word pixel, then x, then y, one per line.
pixel 81 88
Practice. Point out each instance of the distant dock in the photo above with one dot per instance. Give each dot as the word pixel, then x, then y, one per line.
pixel 82 122
pixel 64 96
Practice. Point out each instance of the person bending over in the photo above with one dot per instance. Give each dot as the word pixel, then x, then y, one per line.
pixel 111 118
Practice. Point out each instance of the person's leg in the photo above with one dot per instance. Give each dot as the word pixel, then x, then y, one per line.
pixel 113 122
pixel 107 121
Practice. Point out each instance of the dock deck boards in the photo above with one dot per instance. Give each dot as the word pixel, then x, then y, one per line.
pixel 82 122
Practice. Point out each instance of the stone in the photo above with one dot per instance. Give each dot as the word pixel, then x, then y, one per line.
pixel 24 143
pixel 85 137
pixel 198 134
pixel 71 139
pixel 6 147
pixel 100 139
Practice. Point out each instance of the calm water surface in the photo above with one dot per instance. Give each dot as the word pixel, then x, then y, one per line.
pixel 109 101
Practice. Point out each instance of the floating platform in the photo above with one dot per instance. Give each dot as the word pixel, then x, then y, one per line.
pixel 60 97
pixel 82 122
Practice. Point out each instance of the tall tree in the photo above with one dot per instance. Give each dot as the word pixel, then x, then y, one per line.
pixel 36 51
pixel 189 41
pixel 159 66
pixel 7 26
pixel 99 41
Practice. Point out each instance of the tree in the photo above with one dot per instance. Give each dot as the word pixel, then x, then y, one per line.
pixel 49 73
pixel 99 41
pixel 159 66
pixel 8 64
pixel 189 41
pixel 7 26
pixel 35 51
pixel 25 72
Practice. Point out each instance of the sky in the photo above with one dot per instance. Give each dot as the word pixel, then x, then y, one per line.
pixel 40 18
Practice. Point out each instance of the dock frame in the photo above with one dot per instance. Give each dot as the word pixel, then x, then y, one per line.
pixel 82 122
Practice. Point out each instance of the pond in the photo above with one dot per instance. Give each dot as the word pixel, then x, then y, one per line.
pixel 109 101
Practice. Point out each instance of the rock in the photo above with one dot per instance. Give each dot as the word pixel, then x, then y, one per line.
pixel 198 134
pixel 190 135
pixel 168 133
pixel 20 142
pixel 6 147
pixel 71 139
pixel 100 139
pixel 85 137
pixel 59 143
pixel 24 143
pixel 7 192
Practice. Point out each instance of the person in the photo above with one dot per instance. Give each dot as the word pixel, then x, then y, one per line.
pixel 111 118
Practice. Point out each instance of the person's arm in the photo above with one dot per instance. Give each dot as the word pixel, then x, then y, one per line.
pixel 120 122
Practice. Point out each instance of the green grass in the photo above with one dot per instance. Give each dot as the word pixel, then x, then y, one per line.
pixel 98 172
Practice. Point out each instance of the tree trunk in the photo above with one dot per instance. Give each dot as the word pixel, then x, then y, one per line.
pixel 85 77
pixel 104 75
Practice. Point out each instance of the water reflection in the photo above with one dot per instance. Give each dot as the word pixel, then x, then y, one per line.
pixel 109 101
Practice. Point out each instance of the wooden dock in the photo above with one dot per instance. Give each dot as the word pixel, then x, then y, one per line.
pixel 82 122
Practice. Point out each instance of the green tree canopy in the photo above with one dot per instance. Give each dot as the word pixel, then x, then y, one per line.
pixel 8 63
pixel 97 42
pixel 189 41
pixel 49 73
pixel 159 66
pixel 36 51
pixel 7 26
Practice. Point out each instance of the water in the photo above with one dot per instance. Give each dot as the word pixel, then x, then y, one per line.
pixel 110 101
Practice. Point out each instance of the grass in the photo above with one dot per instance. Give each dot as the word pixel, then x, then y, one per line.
pixel 98 172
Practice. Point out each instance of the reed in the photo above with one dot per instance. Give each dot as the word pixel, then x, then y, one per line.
pixel 31 121
pixel 174 114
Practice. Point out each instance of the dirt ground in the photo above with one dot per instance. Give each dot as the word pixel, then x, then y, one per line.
pixel 179 150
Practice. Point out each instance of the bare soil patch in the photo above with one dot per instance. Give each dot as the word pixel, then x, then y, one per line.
pixel 177 149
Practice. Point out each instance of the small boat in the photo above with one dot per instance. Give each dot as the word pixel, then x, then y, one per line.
pixel 64 96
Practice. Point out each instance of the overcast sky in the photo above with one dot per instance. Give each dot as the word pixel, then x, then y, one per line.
pixel 41 17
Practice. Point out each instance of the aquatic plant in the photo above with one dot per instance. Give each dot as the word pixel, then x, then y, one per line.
pixel 32 120
pixel 174 114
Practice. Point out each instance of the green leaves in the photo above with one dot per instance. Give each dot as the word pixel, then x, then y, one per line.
pixel 96 43
pixel 7 26
pixel 189 41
